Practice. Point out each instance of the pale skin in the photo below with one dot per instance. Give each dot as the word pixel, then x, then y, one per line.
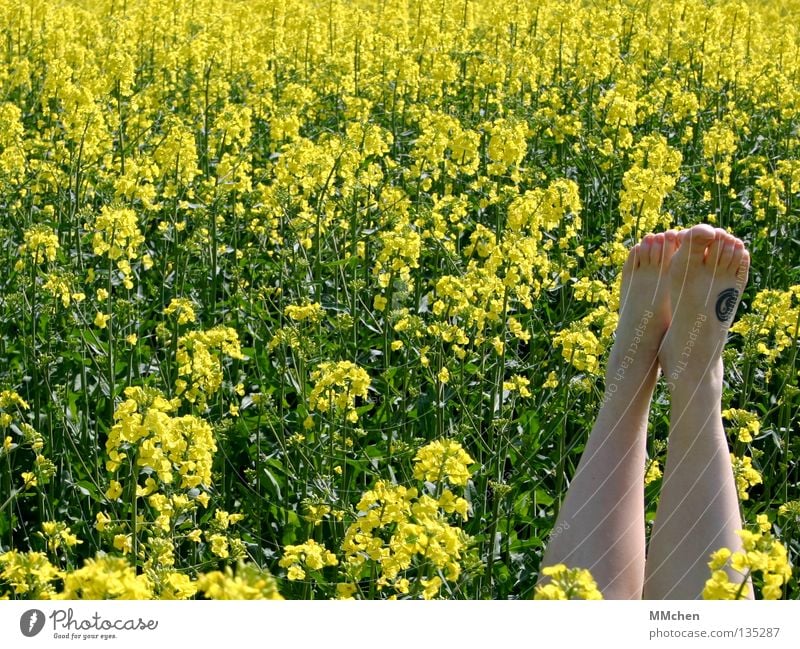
pixel 679 294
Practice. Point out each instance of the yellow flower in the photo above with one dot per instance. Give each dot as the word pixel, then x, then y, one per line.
pixel 101 521
pixel 345 590
pixel 117 233
pixel 762 553
pixel 719 558
pixel 567 583
pixel 178 586
pixel 519 384
pixel 101 320
pixel 338 384
pixel 443 460
pixel 183 308
pixel 379 303
pixel 106 578
pixel 30 574
pixel 123 542
pixel 653 472
pixel 310 555
pixel 312 312
pixel 295 573
pixel 219 545
pixel 790 509
pixel 748 424
pixel 114 490
pixel 248 582
pixel 431 587
pixel 41 243
pixel 199 361
pixel 745 474
pixel 719 586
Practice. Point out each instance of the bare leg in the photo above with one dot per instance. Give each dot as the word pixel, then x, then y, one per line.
pixel 698 511
pixel 601 522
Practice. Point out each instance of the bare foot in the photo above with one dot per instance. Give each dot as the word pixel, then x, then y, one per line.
pixel 644 309
pixel 707 276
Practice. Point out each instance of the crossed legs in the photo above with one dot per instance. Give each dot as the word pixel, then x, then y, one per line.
pixel 679 293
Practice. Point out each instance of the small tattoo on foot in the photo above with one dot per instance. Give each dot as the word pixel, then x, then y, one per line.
pixel 726 304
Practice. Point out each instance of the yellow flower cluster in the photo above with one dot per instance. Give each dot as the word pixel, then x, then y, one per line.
pixel 399 254
pixel 775 185
pixel 117 235
pixel 30 575
pixel 443 461
pixel 567 583
pixel 719 145
pixel 183 309
pixel 746 475
pixel 168 446
pixel 9 399
pixel 106 578
pixel 336 387
pixel 40 243
pixel 398 528
pixel 514 268
pixel 653 175
pixel 443 145
pixel 507 146
pixel 12 150
pixel 771 325
pixel 653 472
pixel 198 358
pixel 747 424
pixel 43 468
pixel 299 313
pixel 60 287
pixel 56 533
pixel 518 384
pixel 248 582
pixel 580 346
pixel 307 556
pixel 761 553
pixel 790 509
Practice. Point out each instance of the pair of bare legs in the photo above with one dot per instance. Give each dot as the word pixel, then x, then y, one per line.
pixel 679 293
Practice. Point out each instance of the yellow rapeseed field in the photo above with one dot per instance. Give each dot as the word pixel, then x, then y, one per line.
pixel 312 298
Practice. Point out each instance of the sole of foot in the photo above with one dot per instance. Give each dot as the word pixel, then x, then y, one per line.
pixel 644 305
pixel 707 276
